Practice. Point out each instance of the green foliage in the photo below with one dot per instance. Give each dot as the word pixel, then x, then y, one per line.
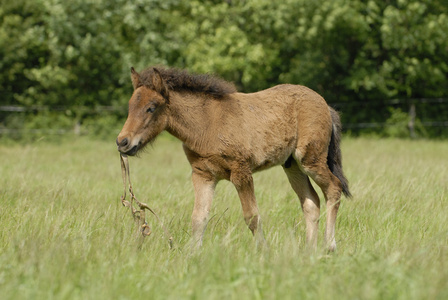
pixel 35 125
pixel 397 125
pixel 410 52
pixel 73 53
pixel 231 36
pixel 104 127
pixel 79 52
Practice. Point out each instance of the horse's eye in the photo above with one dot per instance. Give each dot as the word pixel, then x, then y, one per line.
pixel 151 108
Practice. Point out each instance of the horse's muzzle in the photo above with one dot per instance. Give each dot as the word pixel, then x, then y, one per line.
pixel 125 147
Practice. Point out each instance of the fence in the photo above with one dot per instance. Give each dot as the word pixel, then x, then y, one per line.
pixel 6 129
pixel 425 112
pixel 431 113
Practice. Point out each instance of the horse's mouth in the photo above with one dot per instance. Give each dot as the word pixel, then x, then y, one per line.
pixel 133 151
pixel 130 152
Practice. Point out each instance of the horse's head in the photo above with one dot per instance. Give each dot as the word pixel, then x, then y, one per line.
pixel 147 116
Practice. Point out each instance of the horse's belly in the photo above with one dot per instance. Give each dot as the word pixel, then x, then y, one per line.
pixel 271 155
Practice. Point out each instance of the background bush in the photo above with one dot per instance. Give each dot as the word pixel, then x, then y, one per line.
pixel 357 54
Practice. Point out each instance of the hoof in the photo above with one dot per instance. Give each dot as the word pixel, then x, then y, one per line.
pixel 331 247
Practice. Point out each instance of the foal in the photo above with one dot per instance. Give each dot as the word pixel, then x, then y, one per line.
pixel 230 135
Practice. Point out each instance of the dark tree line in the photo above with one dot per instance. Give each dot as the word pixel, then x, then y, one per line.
pixel 357 54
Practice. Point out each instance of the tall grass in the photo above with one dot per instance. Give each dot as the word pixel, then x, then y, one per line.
pixel 65 235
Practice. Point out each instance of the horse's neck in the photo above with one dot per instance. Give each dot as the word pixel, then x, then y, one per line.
pixel 188 119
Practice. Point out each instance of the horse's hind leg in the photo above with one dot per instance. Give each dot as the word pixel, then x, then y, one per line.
pixel 314 164
pixel 308 199
pixel 244 185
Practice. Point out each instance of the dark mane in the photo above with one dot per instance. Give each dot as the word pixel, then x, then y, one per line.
pixel 181 80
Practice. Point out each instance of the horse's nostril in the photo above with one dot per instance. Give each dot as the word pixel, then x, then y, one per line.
pixel 124 142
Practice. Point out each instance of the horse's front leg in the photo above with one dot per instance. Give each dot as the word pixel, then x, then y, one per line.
pixel 244 184
pixel 204 189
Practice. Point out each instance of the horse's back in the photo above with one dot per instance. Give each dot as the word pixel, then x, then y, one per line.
pixel 273 122
pixel 296 105
pixel 310 108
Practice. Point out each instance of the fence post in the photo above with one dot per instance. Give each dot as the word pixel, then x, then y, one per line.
pixel 77 129
pixel 411 124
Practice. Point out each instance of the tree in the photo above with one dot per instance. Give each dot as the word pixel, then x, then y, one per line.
pixel 79 53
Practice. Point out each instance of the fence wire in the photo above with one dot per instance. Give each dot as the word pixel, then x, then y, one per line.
pixel 415 107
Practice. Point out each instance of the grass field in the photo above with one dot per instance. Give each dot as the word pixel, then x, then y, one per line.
pixel 65 235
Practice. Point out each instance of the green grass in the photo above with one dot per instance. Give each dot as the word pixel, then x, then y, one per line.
pixel 65 235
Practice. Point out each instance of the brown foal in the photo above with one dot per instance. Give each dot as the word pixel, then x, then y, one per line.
pixel 230 135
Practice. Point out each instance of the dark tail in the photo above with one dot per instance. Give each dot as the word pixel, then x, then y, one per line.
pixel 334 159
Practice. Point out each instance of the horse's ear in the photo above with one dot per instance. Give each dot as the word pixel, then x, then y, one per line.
pixel 159 84
pixel 135 77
